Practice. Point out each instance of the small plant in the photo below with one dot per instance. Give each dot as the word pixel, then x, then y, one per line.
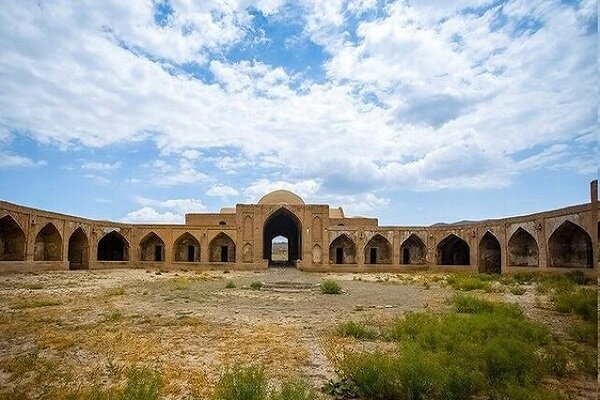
pixel 35 303
pixel 256 285
pixel 230 285
pixel 294 390
pixel 469 282
pixel 142 384
pixel 114 316
pixel 34 286
pixel 330 286
pixel 241 383
pixel 517 290
pixel 584 332
pixel 583 302
pixel 555 360
pixel 356 330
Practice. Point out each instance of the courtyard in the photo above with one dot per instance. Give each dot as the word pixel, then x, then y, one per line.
pixel 76 334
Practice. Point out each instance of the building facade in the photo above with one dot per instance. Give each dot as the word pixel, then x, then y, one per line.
pixel 320 238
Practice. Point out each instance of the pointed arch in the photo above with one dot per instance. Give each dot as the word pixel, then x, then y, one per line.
pixel 317 253
pixel 413 250
pixel 186 248
pixel 113 247
pixel 523 249
pixel 283 222
pixel 12 240
pixel 222 248
pixel 570 246
pixel 453 250
pixel 490 260
pixel 48 244
pixel 342 250
pixel 378 250
pixel 247 253
pixel 152 248
pixel 78 251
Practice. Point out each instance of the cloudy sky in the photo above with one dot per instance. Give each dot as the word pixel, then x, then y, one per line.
pixel 412 111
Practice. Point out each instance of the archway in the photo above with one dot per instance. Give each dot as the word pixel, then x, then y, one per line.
pixel 453 251
pixel 48 244
pixel 378 251
pixel 187 248
pixel 489 254
pixel 523 249
pixel 12 240
pixel 222 249
pixel 280 249
pixel 413 250
pixel 283 223
pixel 78 253
pixel 152 248
pixel 570 246
pixel 113 247
pixel 342 250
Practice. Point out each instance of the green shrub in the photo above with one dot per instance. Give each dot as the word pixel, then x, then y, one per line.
pixel 583 302
pixel 241 383
pixel 470 282
pixel 230 285
pixel 472 305
pixel 577 277
pixel 517 290
pixel 142 384
pixel 329 286
pixel 294 390
pixel 554 284
pixel 584 332
pixel 256 285
pixel 524 278
pixel 555 360
pixel 356 330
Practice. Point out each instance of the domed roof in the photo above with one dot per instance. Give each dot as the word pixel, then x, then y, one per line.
pixel 281 197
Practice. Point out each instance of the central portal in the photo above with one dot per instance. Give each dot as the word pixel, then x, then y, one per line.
pixel 282 223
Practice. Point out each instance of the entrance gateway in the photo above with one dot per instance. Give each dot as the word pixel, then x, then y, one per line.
pixel 283 223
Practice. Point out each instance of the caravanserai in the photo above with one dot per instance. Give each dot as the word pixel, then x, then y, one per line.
pixel 319 238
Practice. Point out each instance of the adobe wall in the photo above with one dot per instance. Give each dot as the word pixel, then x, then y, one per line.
pixel 336 244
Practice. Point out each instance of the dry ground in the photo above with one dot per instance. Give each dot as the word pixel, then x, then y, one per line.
pixel 61 331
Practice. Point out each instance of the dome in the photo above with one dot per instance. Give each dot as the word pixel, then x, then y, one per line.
pixel 281 197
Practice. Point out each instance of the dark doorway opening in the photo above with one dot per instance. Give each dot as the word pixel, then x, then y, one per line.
pixel 224 251
pixel 113 247
pixel 191 253
pixel 489 254
pixel 339 255
pixel 453 251
pixel 282 223
pixel 78 250
pixel 373 255
pixel 406 256
pixel 158 252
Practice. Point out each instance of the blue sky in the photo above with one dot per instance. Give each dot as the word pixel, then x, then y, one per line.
pixel 410 111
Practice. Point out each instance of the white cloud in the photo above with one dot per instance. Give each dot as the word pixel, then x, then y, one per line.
pixel 100 166
pixel 413 100
pixel 222 191
pixel 16 161
pixel 164 211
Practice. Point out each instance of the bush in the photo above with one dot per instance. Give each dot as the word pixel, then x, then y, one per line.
pixel 478 351
pixel 256 285
pixel 578 277
pixel 517 290
pixel 142 384
pixel 555 360
pixel 294 390
pixel 241 383
pixel 330 286
pixel 584 332
pixel 230 285
pixel 583 302
pixel 470 282
pixel 356 330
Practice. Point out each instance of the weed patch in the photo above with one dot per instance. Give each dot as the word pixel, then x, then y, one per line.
pixel 329 286
pixel 35 303
pixel 583 302
pixel 230 285
pixel 256 285
pixel 356 330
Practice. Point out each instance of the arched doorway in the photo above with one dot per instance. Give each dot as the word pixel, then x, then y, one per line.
pixel 78 250
pixel 378 251
pixel 342 250
pixel 413 250
pixel 570 246
pixel 523 249
pixel 152 248
pixel 48 244
pixel 489 254
pixel 285 224
pixel 222 249
pixel 12 240
pixel 453 251
pixel 187 248
pixel 280 249
pixel 113 247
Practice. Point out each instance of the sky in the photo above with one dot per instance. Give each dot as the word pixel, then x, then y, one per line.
pixel 415 112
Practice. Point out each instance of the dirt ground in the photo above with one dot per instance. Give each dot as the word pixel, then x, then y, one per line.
pixel 83 327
